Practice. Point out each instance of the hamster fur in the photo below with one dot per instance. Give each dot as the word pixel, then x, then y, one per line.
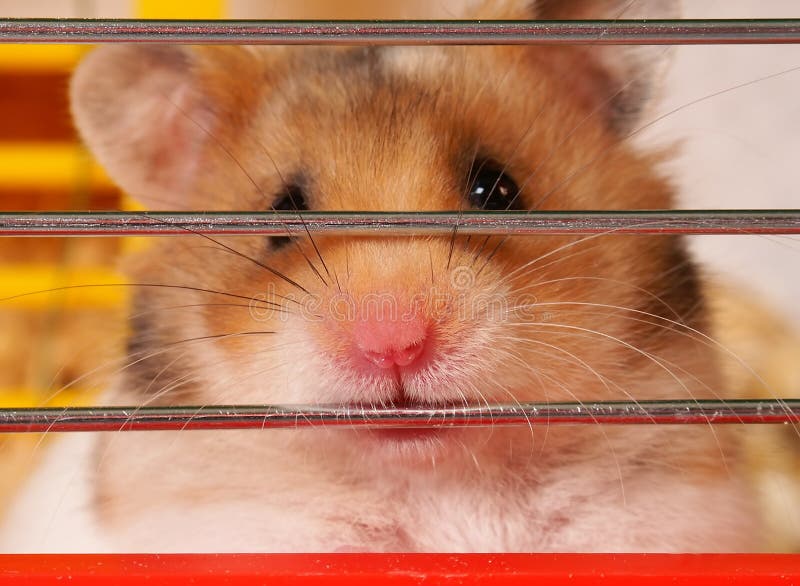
pixel 470 320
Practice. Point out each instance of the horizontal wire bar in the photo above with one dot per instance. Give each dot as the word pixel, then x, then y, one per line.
pixel 399 223
pixel 296 416
pixel 441 32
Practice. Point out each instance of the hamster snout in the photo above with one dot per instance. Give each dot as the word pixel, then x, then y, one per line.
pixel 395 332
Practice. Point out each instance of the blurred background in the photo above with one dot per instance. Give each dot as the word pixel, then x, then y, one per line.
pixel 737 149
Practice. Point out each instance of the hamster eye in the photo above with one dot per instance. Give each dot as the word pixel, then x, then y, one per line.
pixel 491 189
pixel 293 199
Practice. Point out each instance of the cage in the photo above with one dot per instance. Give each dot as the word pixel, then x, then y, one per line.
pixel 55 173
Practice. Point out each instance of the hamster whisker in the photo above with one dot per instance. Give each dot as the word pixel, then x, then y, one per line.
pixel 674 327
pixel 603 380
pixel 473 458
pixel 572 358
pixel 506 391
pixel 292 239
pixel 453 239
pixel 667 366
pixel 655 278
pixel 659 361
pixel 712 95
pixel 605 152
pixel 44 434
pixel 630 397
pixel 167 388
pixel 482 401
pixel 125 361
pixel 490 256
pixel 264 350
pixel 680 327
pixel 238 253
pixel 517 357
pixel 461 202
pixel 158 375
pixel 198 305
pixel 631 286
pixel 188 378
pixel 540 375
pixel 222 250
pixel 218 337
pixel 479 250
pixel 624 10
pixel 159 285
pixel 512 275
pixel 302 251
pixel 316 249
pixel 531 268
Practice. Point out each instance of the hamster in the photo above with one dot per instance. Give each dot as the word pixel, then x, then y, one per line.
pixel 434 321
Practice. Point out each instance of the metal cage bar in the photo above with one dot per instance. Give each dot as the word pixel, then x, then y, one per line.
pixel 396 223
pixel 297 416
pixel 442 32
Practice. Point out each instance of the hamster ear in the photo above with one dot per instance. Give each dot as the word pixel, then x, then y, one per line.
pixel 622 77
pixel 149 112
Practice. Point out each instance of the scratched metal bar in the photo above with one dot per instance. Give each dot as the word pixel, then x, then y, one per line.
pixel 442 32
pixel 398 223
pixel 301 416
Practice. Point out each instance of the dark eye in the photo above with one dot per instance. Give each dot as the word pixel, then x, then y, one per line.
pixel 491 189
pixel 293 199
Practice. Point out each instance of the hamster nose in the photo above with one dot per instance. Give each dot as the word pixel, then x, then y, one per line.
pixel 390 343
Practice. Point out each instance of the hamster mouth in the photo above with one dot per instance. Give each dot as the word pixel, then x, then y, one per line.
pixel 402 400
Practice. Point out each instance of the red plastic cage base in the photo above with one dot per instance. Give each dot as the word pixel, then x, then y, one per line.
pixel 402 569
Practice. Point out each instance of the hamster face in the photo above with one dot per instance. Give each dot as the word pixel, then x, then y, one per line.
pixel 432 321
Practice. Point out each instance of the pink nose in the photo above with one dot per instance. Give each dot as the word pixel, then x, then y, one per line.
pixel 390 343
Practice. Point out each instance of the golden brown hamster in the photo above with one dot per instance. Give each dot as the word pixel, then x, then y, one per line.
pixel 433 321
